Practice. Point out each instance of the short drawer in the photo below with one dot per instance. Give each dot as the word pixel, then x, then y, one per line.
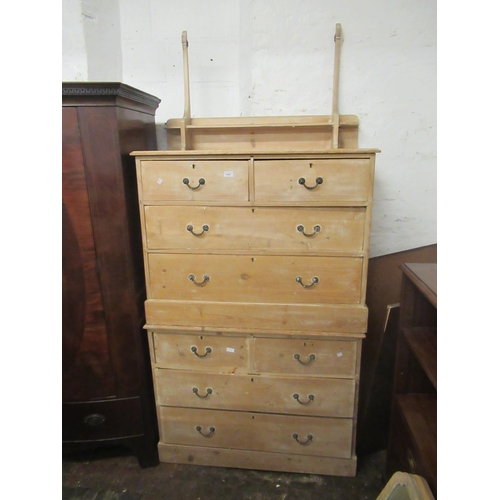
pixel 245 278
pixel 257 431
pixel 336 358
pixel 216 180
pixel 320 397
pixel 200 352
pixel 327 180
pixel 265 229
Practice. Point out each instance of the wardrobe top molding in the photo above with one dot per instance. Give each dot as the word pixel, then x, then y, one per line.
pixel 266 133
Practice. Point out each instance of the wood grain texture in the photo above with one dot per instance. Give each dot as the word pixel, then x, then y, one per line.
pixel 250 311
pixel 242 278
pixel 257 431
pixel 103 270
pixel 288 133
pixel 413 433
pixel 336 358
pixel 341 180
pixel 274 394
pixel 261 229
pixel 86 354
pixel 225 180
pixel 226 354
pixel 379 346
pixel 248 459
pixel 250 317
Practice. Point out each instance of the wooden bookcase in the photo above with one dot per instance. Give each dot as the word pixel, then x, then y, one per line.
pixel 413 435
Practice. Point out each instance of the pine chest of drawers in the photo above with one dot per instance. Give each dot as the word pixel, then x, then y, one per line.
pixel 256 270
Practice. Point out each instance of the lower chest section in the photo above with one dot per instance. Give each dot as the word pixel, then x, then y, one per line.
pixel 245 400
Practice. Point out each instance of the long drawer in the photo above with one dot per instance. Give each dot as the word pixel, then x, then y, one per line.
pixel 257 431
pixel 321 397
pixel 239 228
pixel 327 180
pixel 222 180
pixel 242 278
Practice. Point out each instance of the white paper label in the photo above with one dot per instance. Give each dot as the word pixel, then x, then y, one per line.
pixel 228 173
pixel 159 181
pixel 229 349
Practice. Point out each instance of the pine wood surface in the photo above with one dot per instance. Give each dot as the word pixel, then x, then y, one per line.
pixel 258 460
pixel 342 180
pixel 260 229
pixel 336 358
pixel 224 180
pixel 271 310
pixel 288 133
pixel 275 318
pixel 259 393
pixel 227 353
pixel 257 431
pixel 241 278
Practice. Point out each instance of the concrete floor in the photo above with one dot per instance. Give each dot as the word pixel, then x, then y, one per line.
pixel 115 475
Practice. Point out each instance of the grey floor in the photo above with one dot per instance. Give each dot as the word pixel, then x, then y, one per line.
pixel 115 475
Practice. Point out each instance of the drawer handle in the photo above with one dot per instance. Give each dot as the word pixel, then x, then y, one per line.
pixel 319 181
pixel 212 430
pixel 309 399
pixel 209 391
pixel 314 280
pixel 208 350
pixel 94 419
pixel 204 229
pixel 312 357
pixel 309 439
pixel 316 229
pixel 192 278
pixel 201 182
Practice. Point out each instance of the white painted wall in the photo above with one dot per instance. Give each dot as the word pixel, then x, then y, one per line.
pixel 92 47
pixel 275 57
pixel 74 56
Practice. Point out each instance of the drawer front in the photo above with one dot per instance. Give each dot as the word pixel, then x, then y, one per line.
pixel 291 395
pixel 258 318
pixel 332 180
pixel 195 180
pixel 241 278
pixel 200 352
pixel 100 420
pixel 257 431
pixel 239 228
pixel 306 357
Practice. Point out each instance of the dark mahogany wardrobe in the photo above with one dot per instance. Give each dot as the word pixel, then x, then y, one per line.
pixel 106 386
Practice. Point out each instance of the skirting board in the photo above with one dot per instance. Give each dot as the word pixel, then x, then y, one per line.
pixel 258 460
